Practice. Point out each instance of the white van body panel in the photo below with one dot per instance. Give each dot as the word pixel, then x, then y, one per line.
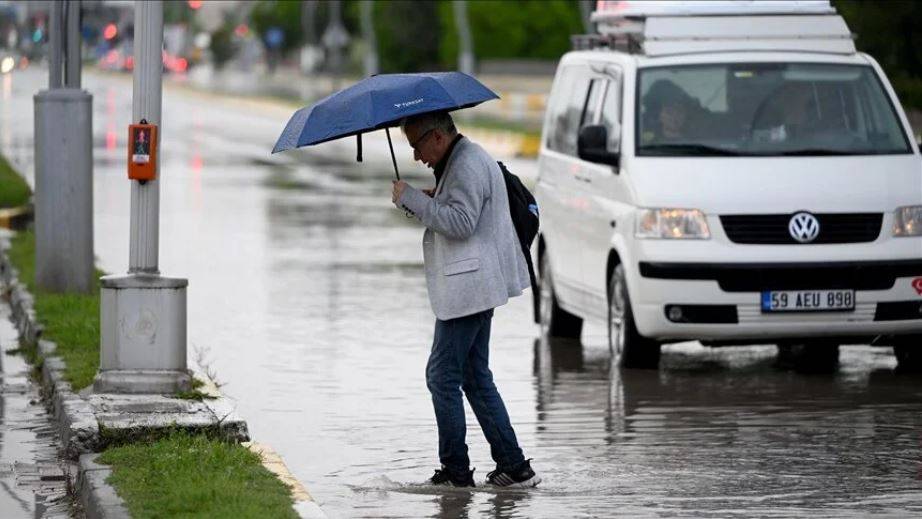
pixel 778 184
pixel 589 212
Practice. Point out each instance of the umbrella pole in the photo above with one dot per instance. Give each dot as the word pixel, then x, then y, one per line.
pixel 391 146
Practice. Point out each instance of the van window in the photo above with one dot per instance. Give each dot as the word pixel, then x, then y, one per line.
pixel 566 112
pixel 765 109
pixel 596 91
pixel 611 114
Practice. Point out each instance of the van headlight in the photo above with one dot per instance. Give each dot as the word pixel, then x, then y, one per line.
pixel 679 224
pixel 907 221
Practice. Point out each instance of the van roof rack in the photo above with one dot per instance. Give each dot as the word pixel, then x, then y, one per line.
pixel 622 42
pixel 686 27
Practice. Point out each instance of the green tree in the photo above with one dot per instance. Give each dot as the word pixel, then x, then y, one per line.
pixel 286 15
pixel 889 31
pixel 222 45
pixel 517 29
pixel 409 33
pixel 178 12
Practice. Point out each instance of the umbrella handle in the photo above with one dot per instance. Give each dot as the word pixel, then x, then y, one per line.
pixel 391 146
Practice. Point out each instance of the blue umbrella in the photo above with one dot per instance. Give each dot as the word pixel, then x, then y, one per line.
pixel 380 102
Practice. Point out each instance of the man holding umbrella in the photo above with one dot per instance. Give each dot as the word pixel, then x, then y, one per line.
pixel 474 261
pixel 473 264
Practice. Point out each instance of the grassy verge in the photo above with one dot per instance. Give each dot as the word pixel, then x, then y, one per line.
pixel 500 124
pixel 186 475
pixel 70 320
pixel 14 191
pixel 196 392
pixel 177 475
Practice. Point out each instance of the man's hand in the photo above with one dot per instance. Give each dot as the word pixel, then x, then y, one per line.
pixel 399 186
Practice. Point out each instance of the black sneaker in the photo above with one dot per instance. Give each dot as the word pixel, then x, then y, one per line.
pixel 522 477
pixel 443 477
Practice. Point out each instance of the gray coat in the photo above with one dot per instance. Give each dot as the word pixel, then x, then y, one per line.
pixel 473 258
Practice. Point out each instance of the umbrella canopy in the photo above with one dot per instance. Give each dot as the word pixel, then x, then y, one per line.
pixel 380 102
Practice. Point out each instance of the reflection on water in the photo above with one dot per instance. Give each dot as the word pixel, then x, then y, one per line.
pixel 724 432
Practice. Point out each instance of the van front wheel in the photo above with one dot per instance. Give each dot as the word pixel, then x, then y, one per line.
pixel 554 321
pixel 630 349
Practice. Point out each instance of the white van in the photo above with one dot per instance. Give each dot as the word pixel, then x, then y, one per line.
pixel 729 172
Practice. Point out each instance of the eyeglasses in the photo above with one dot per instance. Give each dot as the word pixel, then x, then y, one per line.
pixel 421 138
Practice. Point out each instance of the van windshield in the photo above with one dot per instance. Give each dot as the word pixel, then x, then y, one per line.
pixel 765 109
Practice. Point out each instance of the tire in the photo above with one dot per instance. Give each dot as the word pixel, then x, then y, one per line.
pixel 908 352
pixel 554 321
pixel 809 356
pixel 627 346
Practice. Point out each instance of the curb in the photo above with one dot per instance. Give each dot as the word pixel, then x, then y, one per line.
pixel 99 499
pixel 80 421
pixel 505 142
pixel 16 217
pixel 304 503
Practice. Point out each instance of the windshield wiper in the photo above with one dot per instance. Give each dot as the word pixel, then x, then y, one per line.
pixel 689 149
pixel 818 152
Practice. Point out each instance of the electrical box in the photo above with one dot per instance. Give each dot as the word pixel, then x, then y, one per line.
pixel 142 151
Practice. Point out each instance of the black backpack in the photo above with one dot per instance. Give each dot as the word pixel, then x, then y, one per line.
pixel 524 211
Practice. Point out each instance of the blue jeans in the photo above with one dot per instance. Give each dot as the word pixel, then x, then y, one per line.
pixel 460 360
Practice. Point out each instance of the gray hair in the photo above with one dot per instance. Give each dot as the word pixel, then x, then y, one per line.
pixel 430 121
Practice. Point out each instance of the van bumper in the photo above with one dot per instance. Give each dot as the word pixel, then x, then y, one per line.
pixel 721 301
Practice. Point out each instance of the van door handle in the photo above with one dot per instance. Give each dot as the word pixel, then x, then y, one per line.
pixel 583 179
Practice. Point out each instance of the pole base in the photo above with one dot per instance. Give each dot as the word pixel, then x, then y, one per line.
pixel 160 382
pixel 143 328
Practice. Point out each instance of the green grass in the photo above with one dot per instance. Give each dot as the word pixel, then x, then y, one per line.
pixel 70 320
pixel 196 392
pixel 14 191
pixel 185 475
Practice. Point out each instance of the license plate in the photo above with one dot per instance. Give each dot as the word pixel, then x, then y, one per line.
pixel 808 300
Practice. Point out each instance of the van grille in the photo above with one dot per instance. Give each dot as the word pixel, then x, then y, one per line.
pixel 772 229
pixel 753 277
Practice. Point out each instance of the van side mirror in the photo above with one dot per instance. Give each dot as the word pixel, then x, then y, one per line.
pixel 592 145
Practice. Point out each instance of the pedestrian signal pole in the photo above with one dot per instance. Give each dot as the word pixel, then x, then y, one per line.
pixel 143 321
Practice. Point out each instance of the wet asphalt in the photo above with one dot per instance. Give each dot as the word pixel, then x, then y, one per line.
pixel 307 298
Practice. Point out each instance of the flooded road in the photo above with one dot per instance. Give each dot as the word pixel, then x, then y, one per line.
pixel 308 300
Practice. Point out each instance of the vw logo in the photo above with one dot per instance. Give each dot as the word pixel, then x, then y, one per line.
pixel 804 227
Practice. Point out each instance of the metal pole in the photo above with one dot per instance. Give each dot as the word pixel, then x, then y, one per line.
pixel 368 32
pixel 72 68
pixel 63 168
pixel 335 38
pixel 585 11
pixel 466 47
pixel 308 12
pixel 143 315
pixel 55 42
pixel 145 198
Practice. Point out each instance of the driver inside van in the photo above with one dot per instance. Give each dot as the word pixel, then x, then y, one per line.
pixel 667 112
